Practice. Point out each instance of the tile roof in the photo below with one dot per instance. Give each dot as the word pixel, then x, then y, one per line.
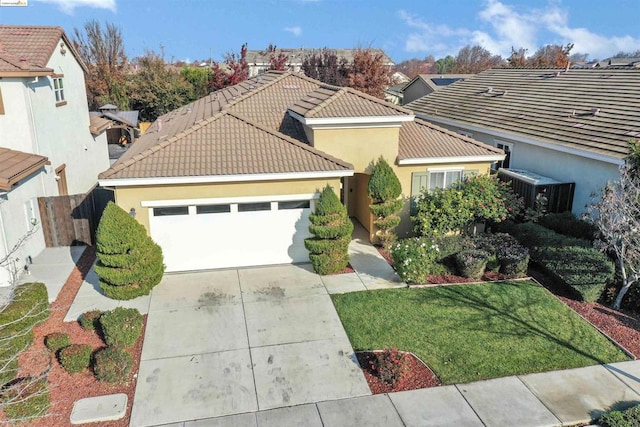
pixel 15 165
pixel 332 101
pixel 31 46
pixel 421 140
pixel 585 109
pixel 225 144
pixel 97 124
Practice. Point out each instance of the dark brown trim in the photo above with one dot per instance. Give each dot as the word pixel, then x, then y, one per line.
pixel 57 76
pixel 61 177
pixel 1 103
pixel 61 103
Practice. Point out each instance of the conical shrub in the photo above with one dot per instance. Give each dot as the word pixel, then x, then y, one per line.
pixel 129 263
pixel 384 189
pixel 332 229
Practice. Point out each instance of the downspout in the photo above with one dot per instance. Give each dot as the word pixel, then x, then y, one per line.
pixel 36 145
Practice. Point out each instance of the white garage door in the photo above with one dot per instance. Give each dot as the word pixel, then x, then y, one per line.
pixel 219 234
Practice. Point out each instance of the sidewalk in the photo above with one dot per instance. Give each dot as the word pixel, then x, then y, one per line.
pixel 556 398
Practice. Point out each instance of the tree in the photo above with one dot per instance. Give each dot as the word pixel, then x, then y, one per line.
pixel 623 54
pixel 551 56
pixel 277 59
pixel 368 72
pixel 474 59
pixel 232 71
pixel 102 51
pixel 129 262
pixel 332 229
pixel 384 189
pixel 199 78
pixel 413 67
pixel 518 58
pixel 617 217
pixel 445 65
pixel 326 67
pixel 156 89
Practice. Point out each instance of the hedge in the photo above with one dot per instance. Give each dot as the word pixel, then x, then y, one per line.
pixel 567 224
pixel 30 306
pixel 56 341
pixel 75 357
pixel 121 326
pixel 112 364
pixel 627 418
pixel 26 398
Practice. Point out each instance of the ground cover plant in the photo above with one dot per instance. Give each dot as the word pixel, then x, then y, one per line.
pixel 474 332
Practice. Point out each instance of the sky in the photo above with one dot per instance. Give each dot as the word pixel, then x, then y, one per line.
pixel 197 29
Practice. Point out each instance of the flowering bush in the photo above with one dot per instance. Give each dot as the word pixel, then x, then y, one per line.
pixel 471 263
pixel 415 258
pixel 389 365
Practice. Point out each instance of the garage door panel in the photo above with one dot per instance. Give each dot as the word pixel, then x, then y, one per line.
pixel 232 239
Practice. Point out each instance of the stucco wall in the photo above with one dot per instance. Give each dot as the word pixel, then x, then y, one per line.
pixel 132 197
pixel 16 131
pixel 14 222
pixel 361 147
pixel 589 175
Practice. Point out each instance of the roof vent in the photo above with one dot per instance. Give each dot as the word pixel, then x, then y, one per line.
pixel 558 73
pixel 595 111
pixel 490 89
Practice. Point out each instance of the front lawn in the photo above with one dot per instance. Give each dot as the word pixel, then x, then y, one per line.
pixel 475 332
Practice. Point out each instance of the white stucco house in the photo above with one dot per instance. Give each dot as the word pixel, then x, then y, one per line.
pixel 49 146
pixel 569 125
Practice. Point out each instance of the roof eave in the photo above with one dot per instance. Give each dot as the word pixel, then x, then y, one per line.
pixel 453 159
pixel 345 122
pixel 213 179
pixel 26 73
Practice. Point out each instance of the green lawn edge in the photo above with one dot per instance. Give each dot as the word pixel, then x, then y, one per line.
pixel 475 332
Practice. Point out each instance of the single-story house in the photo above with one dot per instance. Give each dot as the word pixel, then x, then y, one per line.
pixel 230 179
pixel 569 125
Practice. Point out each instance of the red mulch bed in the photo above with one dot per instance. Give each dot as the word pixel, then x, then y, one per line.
pixel 65 388
pixel 415 375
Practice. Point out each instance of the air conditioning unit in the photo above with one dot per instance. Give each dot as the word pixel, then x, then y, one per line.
pixel 530 185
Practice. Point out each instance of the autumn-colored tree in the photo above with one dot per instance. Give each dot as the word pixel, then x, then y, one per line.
pixel 326 67
pixel 474 59
pixel 102 51
pixel 157 89
pixel 413 67
pixel 551 56
pixel 233 70
pixel 277 59
pixel 518 58
pixel 368 72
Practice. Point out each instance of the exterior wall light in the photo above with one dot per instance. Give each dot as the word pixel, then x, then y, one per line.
pixel 132 212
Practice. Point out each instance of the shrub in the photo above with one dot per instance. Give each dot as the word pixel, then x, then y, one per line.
pixel 332 229
pixel 75 357
pixel 388 366
pixel 415 258
pixel 29 306
pixel 121 326
pixel 112 364
pixel 26 398
pixel 471 263
pixel 586 270
pixel 535 236
pixel 451 245
pixel 627 418
pixel 90 320
pixel 129 262
pixel 384 189
pixel 56 341
pixel 513 259
pixel 441 211
pixel 567 224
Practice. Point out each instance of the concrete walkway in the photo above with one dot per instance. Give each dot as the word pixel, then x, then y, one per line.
pixel 559 398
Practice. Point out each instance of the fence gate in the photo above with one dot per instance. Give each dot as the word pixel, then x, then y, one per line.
pixel 73 220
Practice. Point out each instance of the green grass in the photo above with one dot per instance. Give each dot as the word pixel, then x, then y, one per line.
pixel 475 332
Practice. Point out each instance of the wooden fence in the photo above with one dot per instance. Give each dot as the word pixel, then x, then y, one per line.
pixel 73 220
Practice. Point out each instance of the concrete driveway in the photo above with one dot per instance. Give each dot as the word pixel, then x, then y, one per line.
pixel 234 341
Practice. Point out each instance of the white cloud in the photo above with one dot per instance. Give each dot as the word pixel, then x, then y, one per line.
pixel 296 31
pixel 505 26
pixel 68 6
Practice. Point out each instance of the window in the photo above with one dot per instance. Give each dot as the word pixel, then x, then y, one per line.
pixel 252 207
pixel 212 209
pixel 294 204
pixel 58 89
pixel 508 149
pixel 432 180
pixel 173 210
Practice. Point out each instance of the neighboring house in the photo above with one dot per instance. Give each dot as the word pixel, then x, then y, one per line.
pixel 572 126
pixel 230 179
pixel 632 62
pixel 393 93
pixel 424 84
pixel 123 130
pixel 49 146
pixel 258 60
